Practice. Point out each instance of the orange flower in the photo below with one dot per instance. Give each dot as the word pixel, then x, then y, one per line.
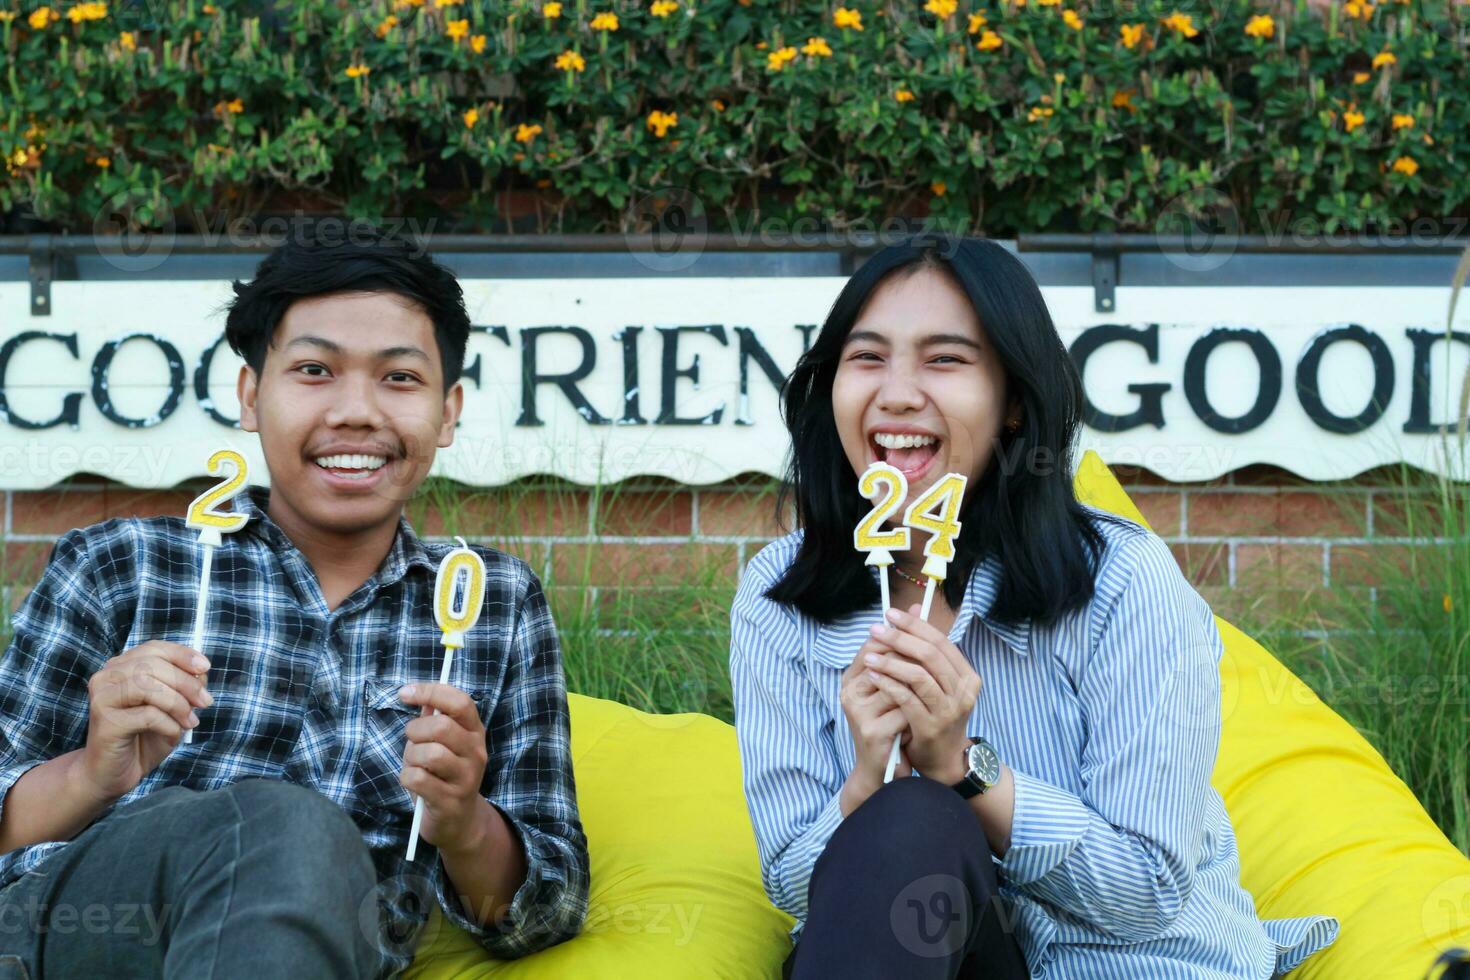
pixel 1181 24
pixel 477 44
pixel 1072 20
pixel 1123 99
pixel 1384 58
pixel 903 95
pixel 977 21
pixel 1403 121
pixel 525 133
pixel 1261 25
pixel 471 116
pixel 661 122
pixel 1130 34
pixel 780 58
pixel 1352 119
pixel 817 48
pixel 570 61
pixel 848 19
pixel 937 188
pixel 357 71
pixel 989 41
pixel 456 29
pixel 1406 166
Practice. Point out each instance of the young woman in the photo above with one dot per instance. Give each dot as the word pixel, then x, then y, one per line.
pixel 1059 712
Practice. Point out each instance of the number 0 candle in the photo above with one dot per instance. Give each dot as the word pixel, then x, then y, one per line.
pixel 459 594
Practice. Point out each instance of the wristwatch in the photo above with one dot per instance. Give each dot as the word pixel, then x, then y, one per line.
pixel 983 768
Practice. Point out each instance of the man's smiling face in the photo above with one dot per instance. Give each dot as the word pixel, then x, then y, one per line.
pixel 350 405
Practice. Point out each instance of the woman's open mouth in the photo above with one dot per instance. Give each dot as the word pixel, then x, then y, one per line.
pixel 911 454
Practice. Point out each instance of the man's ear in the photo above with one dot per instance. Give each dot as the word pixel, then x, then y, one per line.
pixel 246 387
pixel 453 405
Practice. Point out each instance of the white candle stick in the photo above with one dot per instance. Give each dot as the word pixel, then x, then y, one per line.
pixel 210 524
pixel 459 594
pixel 947 494
pixel 887 485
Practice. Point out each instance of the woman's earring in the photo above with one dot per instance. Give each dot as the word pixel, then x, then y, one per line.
pixel 1013 425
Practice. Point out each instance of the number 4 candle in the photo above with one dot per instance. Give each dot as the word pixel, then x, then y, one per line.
pixel 459 594
pixel 210 524
pixel 944 498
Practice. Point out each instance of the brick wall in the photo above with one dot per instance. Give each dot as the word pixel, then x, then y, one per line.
pixel 1255 541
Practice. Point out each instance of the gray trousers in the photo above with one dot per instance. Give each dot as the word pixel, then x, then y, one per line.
pixel 260 879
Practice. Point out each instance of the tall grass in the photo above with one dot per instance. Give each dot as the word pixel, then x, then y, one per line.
pixel 1396 665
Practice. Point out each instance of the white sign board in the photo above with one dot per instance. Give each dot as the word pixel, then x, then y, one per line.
pixel 604 379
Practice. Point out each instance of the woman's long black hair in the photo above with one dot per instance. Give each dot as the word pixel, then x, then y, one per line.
pixel 1022 510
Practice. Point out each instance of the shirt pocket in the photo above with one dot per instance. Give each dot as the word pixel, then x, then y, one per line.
pixel 385 737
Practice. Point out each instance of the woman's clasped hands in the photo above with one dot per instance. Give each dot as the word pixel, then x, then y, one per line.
pixel 908 677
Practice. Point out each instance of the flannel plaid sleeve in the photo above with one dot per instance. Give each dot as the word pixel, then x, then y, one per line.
pixel 60 637
pixel 529 779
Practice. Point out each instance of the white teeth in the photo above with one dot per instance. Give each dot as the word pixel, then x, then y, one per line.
pixel 350 461
pixel 890 441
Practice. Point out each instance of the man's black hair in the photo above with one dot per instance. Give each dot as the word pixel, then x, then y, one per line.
pixel 365 261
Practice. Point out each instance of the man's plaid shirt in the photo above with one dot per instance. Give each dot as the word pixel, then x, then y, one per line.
pixel 310 696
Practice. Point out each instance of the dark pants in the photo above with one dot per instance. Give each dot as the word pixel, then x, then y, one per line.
pixel 261 879
pixel 906 888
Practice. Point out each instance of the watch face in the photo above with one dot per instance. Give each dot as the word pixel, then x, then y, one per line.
pixel 985 763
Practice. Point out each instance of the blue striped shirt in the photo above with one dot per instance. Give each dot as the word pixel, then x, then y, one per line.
pixel 1122 860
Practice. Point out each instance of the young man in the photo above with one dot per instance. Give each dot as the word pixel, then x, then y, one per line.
pixel 274 843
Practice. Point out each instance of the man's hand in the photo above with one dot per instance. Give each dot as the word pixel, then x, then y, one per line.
pixel 444 763
pixel 933 685
pixel 138 706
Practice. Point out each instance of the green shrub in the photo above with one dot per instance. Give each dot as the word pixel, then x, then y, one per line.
pixel 1051 114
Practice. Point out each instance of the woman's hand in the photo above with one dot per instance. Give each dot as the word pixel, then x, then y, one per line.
pixel 874 718
pixel 932 684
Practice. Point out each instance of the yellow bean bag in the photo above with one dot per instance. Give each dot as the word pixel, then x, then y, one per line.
pixel 676 885
pixel 1323 826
